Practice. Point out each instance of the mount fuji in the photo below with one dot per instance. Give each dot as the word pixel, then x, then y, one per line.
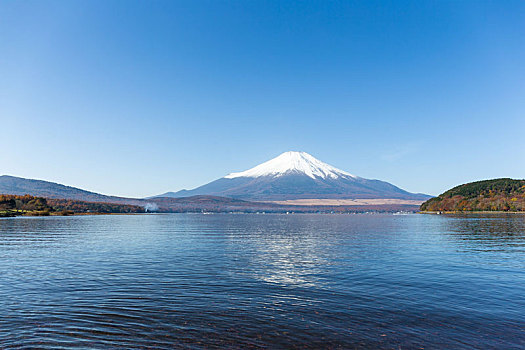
pixel 294 176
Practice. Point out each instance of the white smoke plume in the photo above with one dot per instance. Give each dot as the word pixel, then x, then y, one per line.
pixel 149 207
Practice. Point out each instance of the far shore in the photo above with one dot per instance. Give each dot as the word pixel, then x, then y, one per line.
pixel 346 202
pixel 470 212
pixel 4 214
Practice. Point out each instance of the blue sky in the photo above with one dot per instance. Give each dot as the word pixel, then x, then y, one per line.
pixel 136 98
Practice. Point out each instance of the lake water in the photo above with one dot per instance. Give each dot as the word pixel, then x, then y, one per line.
pixel 263 281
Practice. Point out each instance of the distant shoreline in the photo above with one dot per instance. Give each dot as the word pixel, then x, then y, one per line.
pixel 34 215
pixel 214 213
pixel 470 212
pixel 345 202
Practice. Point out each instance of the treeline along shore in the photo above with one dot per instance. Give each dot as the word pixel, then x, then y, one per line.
pixel 27 205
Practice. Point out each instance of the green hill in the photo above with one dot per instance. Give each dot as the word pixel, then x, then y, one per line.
pixel 488 195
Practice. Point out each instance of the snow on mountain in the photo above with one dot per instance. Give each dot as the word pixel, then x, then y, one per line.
pixel 293 162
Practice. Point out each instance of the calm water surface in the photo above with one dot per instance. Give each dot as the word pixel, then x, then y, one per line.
pixel 263 281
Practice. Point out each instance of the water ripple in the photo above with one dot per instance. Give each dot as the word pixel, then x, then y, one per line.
pixel 262 281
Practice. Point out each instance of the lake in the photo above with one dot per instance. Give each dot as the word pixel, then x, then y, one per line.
pixel 263 281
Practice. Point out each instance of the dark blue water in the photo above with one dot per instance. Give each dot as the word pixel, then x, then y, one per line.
pixel 263 281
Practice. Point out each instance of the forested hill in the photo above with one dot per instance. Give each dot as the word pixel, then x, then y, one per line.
pixel 488 195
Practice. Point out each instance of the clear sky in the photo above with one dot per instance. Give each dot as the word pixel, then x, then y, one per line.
pixel 136 98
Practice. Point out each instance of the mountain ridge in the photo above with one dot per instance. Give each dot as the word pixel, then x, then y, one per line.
pixel 78 200
pixel 289 176
pixel 296 175
pixel 20 186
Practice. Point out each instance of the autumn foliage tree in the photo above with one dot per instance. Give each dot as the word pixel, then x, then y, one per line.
pixel 488 195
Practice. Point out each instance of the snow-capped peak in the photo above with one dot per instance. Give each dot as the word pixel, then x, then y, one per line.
pixel 295 162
